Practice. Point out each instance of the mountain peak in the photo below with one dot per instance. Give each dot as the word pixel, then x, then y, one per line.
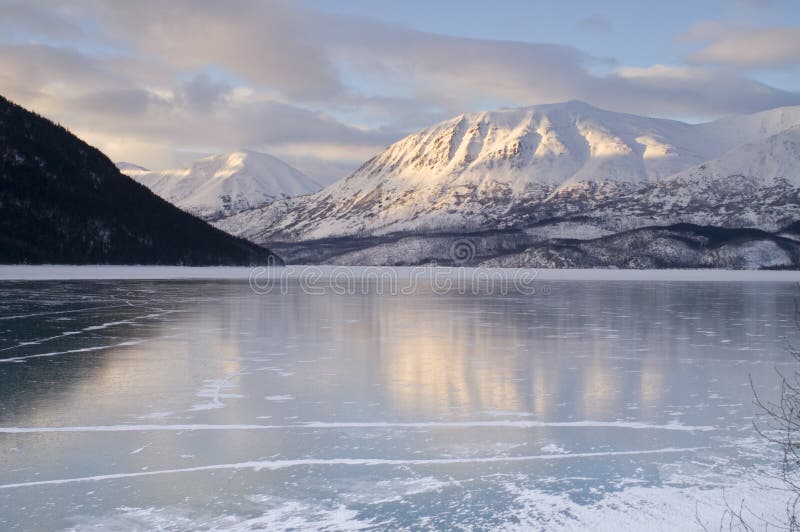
pixel 560 144
pixel 576 105
pixel 242 159
pixel 553 144
pixel 227 183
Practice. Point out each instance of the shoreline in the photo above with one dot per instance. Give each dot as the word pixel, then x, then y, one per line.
pixel 115 272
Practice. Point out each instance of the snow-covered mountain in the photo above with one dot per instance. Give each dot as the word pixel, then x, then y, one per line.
pixel 584 170
pixel 764 160
pixel 225 184
pixel 550 144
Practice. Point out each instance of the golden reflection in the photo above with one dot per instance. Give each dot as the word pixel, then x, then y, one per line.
pixel 434 363
pixel 651 384
pixel 600 388
pixel 434 376
pixel 445 356
pixel 543 386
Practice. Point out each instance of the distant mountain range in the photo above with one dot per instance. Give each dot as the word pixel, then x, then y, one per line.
pixel 64 202
pixel 530 186
pixel 561 185
pixel 222 185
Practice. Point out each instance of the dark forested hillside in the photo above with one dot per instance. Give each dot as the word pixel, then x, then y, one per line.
pixel 63 201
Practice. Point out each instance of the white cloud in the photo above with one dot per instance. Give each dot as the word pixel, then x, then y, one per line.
pixel 746 47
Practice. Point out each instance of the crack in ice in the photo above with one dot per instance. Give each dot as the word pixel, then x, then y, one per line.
pixel 273 465
pixel 522 424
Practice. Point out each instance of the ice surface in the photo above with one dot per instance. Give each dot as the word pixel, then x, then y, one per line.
pixel 200 404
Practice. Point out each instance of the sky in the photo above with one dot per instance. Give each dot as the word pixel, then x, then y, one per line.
pixel 325 84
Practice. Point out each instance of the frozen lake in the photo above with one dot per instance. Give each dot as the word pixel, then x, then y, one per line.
pixel 201 404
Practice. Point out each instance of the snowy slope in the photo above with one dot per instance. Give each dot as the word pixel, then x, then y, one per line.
pixel 775 157
pixel 548 144
pixel 743 129
pixel 557 144
pixel 521 167
pixel 225 184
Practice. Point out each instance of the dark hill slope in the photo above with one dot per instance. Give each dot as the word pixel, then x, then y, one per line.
pixel 63 201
